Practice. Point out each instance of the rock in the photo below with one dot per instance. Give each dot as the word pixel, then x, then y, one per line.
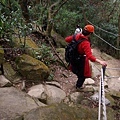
pixel 95 97
pixel 110 98
pixel 4 82
pixel 105 56
pixel 115 93
pixel 54 83
pixel 31 48
pixel 59 39
pixel 114 84
pixel 76 97
pixel 61 112
pixel 54 94
pixel 48 93
pixel 87 89
pixel 89 81
pixel 10 73
pixel 14 103
pixel 38 91
pixel 105 84
pixel 31 68
pixel 95 68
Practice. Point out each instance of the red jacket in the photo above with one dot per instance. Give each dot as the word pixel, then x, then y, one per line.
pixel 84 48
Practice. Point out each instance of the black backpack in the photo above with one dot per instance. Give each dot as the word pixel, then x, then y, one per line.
pixel 71 53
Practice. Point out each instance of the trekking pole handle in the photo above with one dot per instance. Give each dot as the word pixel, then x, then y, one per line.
pixel 104 68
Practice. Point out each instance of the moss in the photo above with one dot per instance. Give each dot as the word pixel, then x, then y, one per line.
pixel 59 40
pixel 63 112
pixel 32 68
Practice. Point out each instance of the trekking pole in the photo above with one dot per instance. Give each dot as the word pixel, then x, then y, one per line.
pixel 102 96
pixel 103 71
pixel 99 112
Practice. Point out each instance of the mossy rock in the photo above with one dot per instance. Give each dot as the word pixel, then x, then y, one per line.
pixel 10 73
pixel 58 39
pixel 32 68
pixel 30 47
pixel 61 112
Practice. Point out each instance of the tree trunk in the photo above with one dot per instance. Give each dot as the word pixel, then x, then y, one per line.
pixel 49 23
pixel 37 1
pixel 52 11
pixel 118 41
pixel 25 12
pixel 83 12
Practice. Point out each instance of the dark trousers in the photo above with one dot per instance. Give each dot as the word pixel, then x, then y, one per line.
pixel 78 69
pixel 80 81
pixel 1 68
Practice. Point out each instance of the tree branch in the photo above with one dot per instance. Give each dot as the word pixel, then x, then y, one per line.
pixel 5 6
pixel 57 54
pixel 110 14
pixel 61 4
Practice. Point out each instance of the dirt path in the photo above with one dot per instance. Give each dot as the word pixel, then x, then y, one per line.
pixel 66 79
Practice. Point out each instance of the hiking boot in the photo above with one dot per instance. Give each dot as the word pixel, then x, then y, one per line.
pixel 80 88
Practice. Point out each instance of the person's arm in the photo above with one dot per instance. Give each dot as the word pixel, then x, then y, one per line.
pixel 103 63
pixel 69 38
pixel 87 49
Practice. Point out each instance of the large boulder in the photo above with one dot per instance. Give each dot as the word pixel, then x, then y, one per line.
pixel 4 81
pixel 10 73
pixel 31 47
pixel 61 112
pixel 114 84
pixel 95 69
pixel 60 41
pixel 15 103
pixel 31 68
pixel 49 94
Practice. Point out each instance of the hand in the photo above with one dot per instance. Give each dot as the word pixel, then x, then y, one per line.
pixel 103 63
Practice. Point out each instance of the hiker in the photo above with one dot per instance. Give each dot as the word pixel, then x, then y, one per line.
pixel 78 29
pixel 82 68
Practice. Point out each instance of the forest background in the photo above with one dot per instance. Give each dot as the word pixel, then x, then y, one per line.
pixel 23 17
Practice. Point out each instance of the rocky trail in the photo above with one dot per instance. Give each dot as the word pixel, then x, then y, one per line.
pixel 68 80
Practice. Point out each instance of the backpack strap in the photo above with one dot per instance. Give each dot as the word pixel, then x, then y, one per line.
pixel 80 40
pixel 74 37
